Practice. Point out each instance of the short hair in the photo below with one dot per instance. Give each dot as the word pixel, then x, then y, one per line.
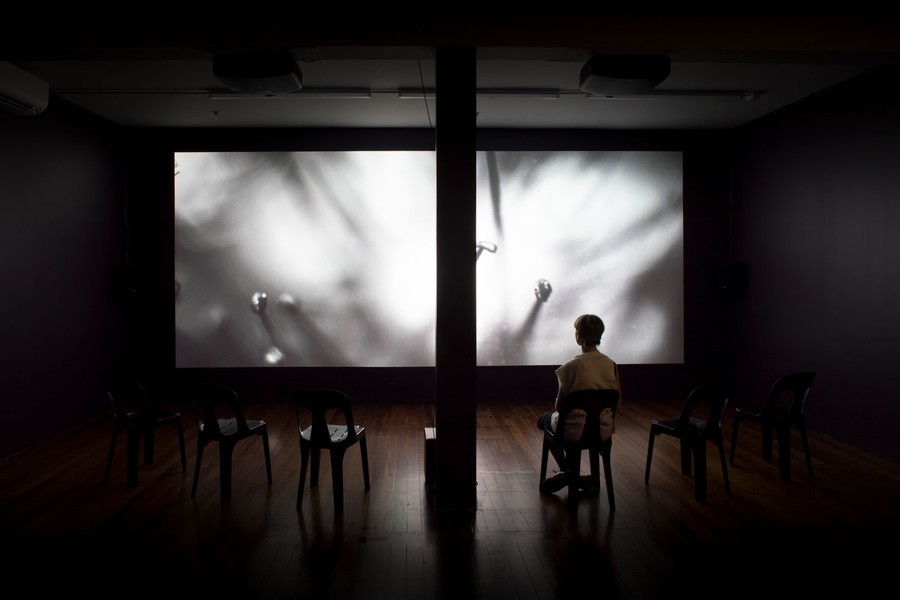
pixel 591 329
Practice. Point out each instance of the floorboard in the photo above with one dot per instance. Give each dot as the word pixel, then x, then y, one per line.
pixel 64 529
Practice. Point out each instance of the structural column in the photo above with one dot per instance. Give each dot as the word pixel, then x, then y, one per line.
pixel 455 352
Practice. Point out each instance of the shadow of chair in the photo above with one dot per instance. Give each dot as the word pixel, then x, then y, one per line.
pixel 220 419
pixel 316 434
pixel 134 413
pixel 693 433
pixel 573 438
pixel 778 416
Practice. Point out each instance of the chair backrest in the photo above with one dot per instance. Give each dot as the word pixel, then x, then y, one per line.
pixel 213 402
pixel 317 402
pixel 589 403
pixel 126 395
pixel 798 386
pixel 715 397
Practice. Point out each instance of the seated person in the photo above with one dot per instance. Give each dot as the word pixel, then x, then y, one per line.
pixel 590 370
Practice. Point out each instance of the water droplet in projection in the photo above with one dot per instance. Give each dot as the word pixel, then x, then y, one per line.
pixel 542 290
pixel 274 356
pixel 258 302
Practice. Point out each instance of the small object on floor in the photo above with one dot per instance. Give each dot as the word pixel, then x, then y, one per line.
pixel 553 484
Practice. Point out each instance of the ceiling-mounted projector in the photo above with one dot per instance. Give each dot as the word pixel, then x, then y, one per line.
pixel 623 74
pixel 264 73
pixel 21 92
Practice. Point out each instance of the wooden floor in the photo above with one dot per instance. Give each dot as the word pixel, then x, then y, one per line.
pixel 64 530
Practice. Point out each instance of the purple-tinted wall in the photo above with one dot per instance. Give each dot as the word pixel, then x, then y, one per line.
pixel 816 217
pixel 61 231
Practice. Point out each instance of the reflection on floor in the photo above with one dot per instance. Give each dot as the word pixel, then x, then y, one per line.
pixel 68 531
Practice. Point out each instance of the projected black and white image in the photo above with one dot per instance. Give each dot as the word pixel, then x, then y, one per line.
pixel 305 259
pixel 560 234
pixel 328 258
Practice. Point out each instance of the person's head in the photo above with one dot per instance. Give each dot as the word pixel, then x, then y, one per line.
pixel 588 330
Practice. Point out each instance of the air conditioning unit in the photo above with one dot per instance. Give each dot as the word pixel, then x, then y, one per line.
pixel 21 92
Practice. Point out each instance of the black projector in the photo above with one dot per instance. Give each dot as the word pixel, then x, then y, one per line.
pixel 623 74
pixel 264 73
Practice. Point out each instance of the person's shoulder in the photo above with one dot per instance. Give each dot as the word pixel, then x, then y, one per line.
pixel 596 356
pixel 572 361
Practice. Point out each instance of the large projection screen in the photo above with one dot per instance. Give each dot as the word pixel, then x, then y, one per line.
pixel 560 234
pixel 305 259
pixel 327 259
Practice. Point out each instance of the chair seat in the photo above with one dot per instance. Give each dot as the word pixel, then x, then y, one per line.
pixel 228 427
pixel 337 433
pixel 695 426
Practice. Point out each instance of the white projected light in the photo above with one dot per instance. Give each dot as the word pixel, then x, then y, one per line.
pixel 575 233
pixel 327 259
pixel 305 259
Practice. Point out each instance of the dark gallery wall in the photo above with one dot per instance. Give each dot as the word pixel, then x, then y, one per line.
pixel 815 217
pixel 61 232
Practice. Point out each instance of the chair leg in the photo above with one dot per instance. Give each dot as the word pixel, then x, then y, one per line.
pixel 545 450
pixel 197 467
pixel 149 439
pixel 805 441
pixel 649 458
pixel 699 452
pixel 304 466
pixel 134 447
pixel 112 450
pixel 721 446
pixel 181 446
pixel 314 457
pixel 734 434
pixel 784 451
pixel 607 470
pixel 226 451
pixel 686 448
pixel 337 479
pixel 573 475
pixel 364 454
pixel 265 437
pixel 767 441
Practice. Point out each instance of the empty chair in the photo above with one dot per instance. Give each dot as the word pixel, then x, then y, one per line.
pixel 135 414
pixel 778 416
pixel 316 434
pixel 693 433
pixel 578 407
pixel 220 419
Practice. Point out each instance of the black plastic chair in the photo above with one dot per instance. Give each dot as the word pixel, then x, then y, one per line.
pixel 220 419
pixel 694 432
pixel 135 414
pixel 775 416
pixel 573 438
pixel 316 434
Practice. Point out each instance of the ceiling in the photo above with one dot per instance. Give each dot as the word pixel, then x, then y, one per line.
pixel 726 70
